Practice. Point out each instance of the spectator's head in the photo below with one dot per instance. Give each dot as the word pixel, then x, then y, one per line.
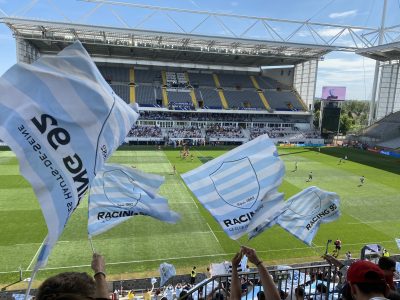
pixel 321 288
pixel 299 292
pixel 346 292
pixel 366 280
pixel 218 296
pixel 387 265
pixel 68 285
pixel 260 295
pixel 283 295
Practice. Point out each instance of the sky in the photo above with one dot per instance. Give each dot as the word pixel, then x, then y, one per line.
pixel 335 69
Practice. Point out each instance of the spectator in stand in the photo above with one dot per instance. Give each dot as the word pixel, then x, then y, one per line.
pixel 299 293
pixel 367 281
pixel 322 291
pixel 74 285
pixel 270 290
pixel 145 131
pixel 388 266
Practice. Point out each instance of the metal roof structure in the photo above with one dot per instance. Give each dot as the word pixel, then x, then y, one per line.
pixel 50 37
pixel 385 52
pixel 261 41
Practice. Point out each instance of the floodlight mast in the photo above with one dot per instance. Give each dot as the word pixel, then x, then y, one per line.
pixel 371 116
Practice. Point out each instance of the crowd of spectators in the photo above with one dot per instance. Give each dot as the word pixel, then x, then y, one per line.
pixel 145 132
pixel 349 279
pixel 272 132
pixel 224 132
pixel 185 133
pixel 181 106
pixel 196 116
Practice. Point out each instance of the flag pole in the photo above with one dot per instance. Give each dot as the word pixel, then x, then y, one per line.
pixel 28 290
pixel 91 245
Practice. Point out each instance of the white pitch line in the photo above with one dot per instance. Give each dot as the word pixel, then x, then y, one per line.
pixel 196 256
pixel 139 261
pixel 214 235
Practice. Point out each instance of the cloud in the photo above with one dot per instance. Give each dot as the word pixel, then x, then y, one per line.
pixel 354 72
pixel 344 14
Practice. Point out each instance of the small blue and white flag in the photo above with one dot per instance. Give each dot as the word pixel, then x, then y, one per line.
pixel 166 272
pixel 231 187
pixel 118 193
pixel 63 121
pixel 303 213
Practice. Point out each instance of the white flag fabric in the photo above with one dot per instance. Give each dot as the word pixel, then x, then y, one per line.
pixel 232 186
pixel 63 121
pixel 398 243
pixel 119 193
pixel 303 213
pixel 166 272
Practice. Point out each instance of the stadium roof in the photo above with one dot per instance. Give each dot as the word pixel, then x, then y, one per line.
pixel 385 52
pixel 50 37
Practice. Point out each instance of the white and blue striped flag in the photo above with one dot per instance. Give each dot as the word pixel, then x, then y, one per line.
pixel 119 193
pixel 235 187
pixel 303 213
pixel 63 121
pixel 166 272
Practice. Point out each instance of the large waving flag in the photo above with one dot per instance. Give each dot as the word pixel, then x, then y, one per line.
pixel 63 121
pixel 119 193
pixel 166 272
pixel 236 186
pixel 303 214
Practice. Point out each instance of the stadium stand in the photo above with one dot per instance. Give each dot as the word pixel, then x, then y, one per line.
pixel 115 74
pixel 146 95
pixel 283 100
pixel 243 99
pixel 180 96
pixel 235 80
pixel 238 91
pixel 201 79
pixel 210 98
pixel 122 91
pixel 148 76
pixel 391 144
pixel 385 132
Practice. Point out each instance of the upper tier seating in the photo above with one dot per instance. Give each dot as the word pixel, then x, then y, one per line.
pixel 148 76
pixel 235 80
pixel 243 99
pixel 210 98
pixel 145 95
pixel 122 91
pixel 197 79
pixel 175 96
pixel 115 74
pixel 238 89
pixel 283 100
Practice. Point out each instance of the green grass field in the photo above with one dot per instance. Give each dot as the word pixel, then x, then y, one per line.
pixel 370 214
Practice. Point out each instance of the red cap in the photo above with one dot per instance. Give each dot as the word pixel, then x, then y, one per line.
pixel 365 271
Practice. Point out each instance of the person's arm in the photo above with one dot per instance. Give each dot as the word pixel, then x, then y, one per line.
pixel 98 266
pixel 236 292
pixel 270 290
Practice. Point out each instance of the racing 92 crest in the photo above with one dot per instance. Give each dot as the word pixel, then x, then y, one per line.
pixel 115 182
pixel 236 183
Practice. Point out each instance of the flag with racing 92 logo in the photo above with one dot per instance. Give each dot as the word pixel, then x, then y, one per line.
pixel 239 185
pixel 63 121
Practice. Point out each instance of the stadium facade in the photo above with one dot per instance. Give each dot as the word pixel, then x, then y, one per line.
pixel 214 88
